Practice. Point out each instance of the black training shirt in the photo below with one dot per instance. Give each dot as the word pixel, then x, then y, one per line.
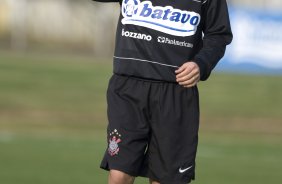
pixel 155 37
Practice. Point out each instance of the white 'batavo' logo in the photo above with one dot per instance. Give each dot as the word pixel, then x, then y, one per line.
pixel 165 19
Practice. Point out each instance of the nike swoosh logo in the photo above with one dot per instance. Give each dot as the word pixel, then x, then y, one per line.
pixel 183 170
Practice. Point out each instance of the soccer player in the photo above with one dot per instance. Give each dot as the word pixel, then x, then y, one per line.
pixel 163 49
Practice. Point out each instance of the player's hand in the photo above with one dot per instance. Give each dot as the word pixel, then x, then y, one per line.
pixel 188 75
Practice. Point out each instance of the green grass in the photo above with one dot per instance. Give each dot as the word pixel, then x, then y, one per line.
pixel 250 96
pixel 26 160
pixel 71 159
pixel 53 119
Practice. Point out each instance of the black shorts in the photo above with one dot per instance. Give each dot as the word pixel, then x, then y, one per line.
pixel 153 129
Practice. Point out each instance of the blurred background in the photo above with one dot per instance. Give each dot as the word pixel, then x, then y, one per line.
pixel 56 60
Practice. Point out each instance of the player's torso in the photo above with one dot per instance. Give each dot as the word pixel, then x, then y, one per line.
pixel 163 31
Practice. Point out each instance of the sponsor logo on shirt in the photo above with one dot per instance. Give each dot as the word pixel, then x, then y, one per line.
pixel 136 35
pixel 166 19
pixel 165 40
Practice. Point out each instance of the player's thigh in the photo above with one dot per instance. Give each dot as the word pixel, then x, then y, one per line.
pixel 118 177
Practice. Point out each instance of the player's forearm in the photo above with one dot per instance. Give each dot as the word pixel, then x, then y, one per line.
pixel 208 58
pixel 217 34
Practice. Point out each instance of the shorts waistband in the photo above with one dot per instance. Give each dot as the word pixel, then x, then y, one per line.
pixel 144 79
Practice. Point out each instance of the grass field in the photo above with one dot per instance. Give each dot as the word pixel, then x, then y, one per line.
pixel 52 123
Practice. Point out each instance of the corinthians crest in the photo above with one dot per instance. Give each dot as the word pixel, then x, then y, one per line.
pixel 114 139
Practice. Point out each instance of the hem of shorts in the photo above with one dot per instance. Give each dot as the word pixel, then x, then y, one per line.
pixel 189 180
pixel 175 181
pixel 134 174
pixel 120 168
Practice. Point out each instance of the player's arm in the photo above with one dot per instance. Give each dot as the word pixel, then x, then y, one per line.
pixel 217 34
